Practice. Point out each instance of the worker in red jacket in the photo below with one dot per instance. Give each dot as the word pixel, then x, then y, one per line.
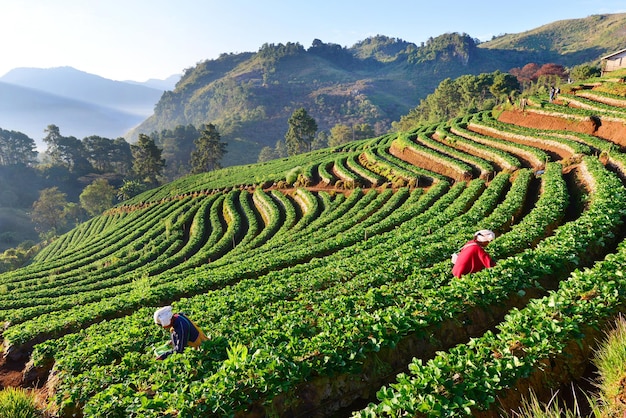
pixel 473 257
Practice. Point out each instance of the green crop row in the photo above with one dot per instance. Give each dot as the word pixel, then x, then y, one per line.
pixel 543 107
pixel 92 257
pixel 243 321
pixel 430 176
pixel 298 289
pixel 603 95
pixel 73 317
pixel 462 170
pixel 503 159
pixel 245 331
pixel 472 375
pixel 535 156
pixel 484 166
pixel 370 177
pixel 536 137
pixel 594 105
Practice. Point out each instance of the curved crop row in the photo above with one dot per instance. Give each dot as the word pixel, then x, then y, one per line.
pixel 471 376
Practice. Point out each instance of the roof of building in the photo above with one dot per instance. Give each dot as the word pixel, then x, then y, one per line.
pixel 613 54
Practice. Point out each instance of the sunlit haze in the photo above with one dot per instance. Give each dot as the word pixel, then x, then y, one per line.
pixel 142 39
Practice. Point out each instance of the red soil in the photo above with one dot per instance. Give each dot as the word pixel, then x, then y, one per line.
pixel 10 373
pixel 609 130
pixel 424 162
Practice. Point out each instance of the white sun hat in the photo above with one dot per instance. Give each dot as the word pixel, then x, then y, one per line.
pixel 163 316
pixel 485 235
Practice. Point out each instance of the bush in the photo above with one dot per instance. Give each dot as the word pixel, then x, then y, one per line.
pixel 17 403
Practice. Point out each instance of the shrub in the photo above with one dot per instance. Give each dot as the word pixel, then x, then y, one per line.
pixel 17 403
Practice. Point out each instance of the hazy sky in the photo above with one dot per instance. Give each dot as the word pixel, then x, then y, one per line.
pixel 142 39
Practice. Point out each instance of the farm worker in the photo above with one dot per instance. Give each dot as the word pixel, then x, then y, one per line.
pixel 183 331
pixel 473 257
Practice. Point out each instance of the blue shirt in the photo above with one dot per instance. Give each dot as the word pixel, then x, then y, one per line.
pixel 182 332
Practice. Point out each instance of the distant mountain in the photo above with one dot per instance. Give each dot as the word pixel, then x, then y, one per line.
pixel 73 84
pixel 250 96
pixel 30 111
pixel 568 42
pixel 168 84
pixel 79 103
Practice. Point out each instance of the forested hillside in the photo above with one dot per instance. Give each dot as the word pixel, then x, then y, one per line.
pixel 249 96
pixel 323 279
pixel 568 42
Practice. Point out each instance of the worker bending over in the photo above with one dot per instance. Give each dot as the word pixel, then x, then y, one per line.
pixel 183 331
pixel 473 257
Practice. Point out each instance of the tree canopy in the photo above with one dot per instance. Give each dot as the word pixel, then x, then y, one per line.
pixel 453 98
pixel 301 132
pixel 48 212
pixel 97 197
pixel 209 150
pixel 16 148
pixel 147 162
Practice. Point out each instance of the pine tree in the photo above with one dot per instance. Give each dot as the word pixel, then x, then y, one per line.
pixel 301 132
pixel 147 162
pixel 209 150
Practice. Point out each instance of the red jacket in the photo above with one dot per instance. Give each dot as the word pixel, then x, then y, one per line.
pixel 471 258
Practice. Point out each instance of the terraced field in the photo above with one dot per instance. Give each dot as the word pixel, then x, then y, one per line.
pixel 324 280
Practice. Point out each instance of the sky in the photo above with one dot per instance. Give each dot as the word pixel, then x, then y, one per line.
pixel 154 39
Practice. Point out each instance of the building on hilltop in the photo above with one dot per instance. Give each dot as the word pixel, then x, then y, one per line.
pixel 614 61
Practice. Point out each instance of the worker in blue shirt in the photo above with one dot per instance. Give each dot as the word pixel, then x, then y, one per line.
pixel 184 333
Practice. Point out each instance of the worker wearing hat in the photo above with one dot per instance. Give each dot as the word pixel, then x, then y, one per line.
pixel 182 330
pixel 473 257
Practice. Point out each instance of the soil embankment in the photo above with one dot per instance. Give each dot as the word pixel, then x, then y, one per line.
pixel 606 129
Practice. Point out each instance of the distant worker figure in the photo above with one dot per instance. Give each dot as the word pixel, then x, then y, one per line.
pixel 552 92
pixel 473 257
pixel 522 103
pixel 183 331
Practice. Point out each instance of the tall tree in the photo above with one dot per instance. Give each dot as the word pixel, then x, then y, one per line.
pixel 16 148
pixel 209 150
pixel 584 71
pixel 321 141
pixel 97 197
pixel 340 134
pixel 301 132
pixel 267 154
pixel 99 152
pixel 147 162
pixel 122 156
pixel 48 213
pixel 504 85
pixel 281 149
pixel 526 75
pixel 53 135
pixel 363 131
pixel 66 151
pixel 178 144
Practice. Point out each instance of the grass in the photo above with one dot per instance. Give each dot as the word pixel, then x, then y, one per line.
pixel 609 401
pixel 611 362
pixel 18 403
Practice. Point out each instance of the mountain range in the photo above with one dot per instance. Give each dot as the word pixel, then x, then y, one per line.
pixel 79 103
